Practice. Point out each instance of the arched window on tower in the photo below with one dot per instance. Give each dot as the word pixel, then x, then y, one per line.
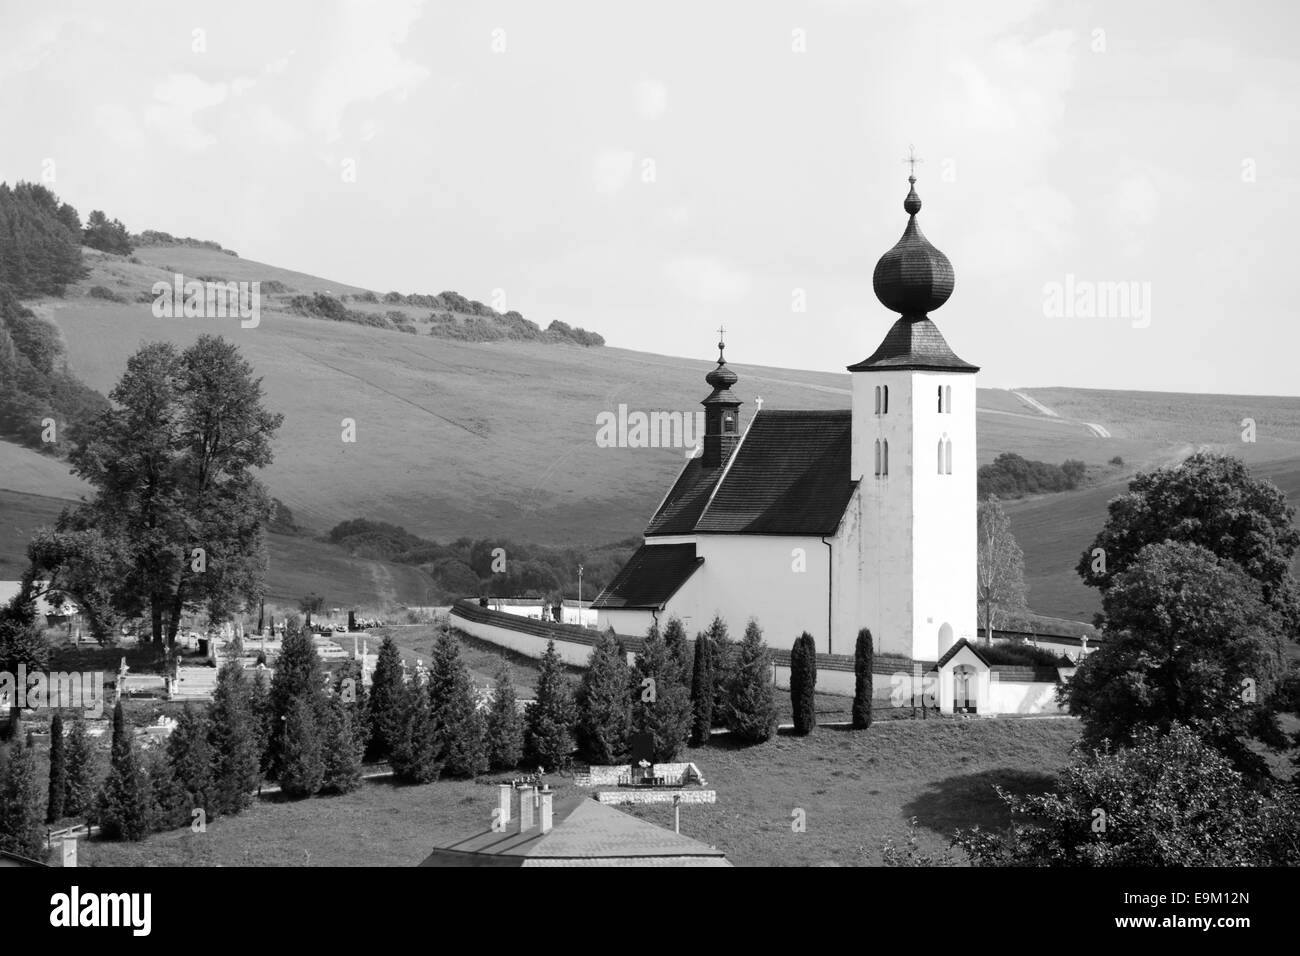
pixel 947 399
pixel 939 389
pixel 940 457
pixel 884 458
pixel 729 423
pixel 877 457
pixel 947 457
pixel 877 399
pixel 884 405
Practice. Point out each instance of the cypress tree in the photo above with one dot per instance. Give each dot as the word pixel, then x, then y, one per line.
pixel 505 728
pixel 675 638
pixel 387 703
pixel 190 755
pixel 236 772
pixel 343 747
pixel 79 795
pixel 125 800
pixel 458 727
pixel 414 755
pixel 604 704
pixel 261 718
pixel 302 759
pixel 22 828
pixel 702 691
pixel 549 722
pixel 661 703
pixel 862 690
pixel 350 688
pixel 803 683
pixel 298 676
pixel 724 656
pixel 171 806
pixel 58 772
pixel 751 704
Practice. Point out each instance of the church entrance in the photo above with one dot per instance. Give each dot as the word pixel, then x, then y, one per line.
pixel 964 690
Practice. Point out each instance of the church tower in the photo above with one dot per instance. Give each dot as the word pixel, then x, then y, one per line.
pixel 721 414
pixel 913 456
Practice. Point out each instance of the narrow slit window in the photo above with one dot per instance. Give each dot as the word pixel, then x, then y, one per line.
pixel 947 399
pixel 877 457
pixel 884 458
pixel 940 457
pixel 939 389
pixel 877 399
pixel 884 405
pixel 947 457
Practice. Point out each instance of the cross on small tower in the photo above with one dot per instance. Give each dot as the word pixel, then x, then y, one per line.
pixel 912 159
pixel 721 342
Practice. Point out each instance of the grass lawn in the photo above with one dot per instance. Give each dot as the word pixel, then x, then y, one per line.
pixel 857 788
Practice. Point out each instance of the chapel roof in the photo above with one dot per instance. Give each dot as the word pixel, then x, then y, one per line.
pixel 788 475
pixel 651 576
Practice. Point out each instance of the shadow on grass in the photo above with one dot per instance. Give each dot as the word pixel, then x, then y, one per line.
pixel 967 800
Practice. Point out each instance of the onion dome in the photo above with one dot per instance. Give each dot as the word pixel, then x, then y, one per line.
pixel 914 277
pixel 722 378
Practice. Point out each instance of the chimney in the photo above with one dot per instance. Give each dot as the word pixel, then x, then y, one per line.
pixel 526 800
pixel 503 803
pixel 546 810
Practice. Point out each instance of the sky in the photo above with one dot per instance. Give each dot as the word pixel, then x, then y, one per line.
pixel 655 171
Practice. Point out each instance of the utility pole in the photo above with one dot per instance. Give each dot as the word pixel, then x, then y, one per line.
pixel 580 594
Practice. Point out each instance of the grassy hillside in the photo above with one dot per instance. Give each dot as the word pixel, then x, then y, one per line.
pixel 476 439
pixel 461 438
pixel 297 565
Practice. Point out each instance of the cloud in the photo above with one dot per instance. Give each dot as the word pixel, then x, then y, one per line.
pixel 707 280
pixel 179 99
pixel 366 63
pixel 33 42
pixel 613 168
pixel 651 99
pixel 1133 210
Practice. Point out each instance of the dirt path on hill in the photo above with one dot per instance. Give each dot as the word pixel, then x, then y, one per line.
pixel 1097 431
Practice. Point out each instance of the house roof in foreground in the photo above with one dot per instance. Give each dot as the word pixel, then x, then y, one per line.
pixel 583 833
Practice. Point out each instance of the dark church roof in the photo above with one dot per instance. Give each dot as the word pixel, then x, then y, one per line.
pixel 914 343
pixel 651 576
pixel 789 475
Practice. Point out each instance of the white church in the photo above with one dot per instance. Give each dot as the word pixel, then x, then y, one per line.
pixel 830 521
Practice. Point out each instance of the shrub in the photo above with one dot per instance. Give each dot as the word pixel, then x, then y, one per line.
pixel 862 683
pixel 1021 654
pixel 803 683
pixel 751 704
pixel 103 292
pixel 1169 800
pixel 1118 461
